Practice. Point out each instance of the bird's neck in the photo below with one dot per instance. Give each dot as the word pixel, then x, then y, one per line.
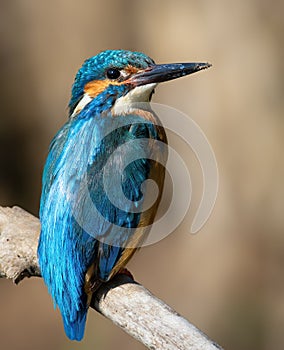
pixel 113 100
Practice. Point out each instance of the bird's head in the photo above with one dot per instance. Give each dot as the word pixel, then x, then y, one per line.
pixel 117 77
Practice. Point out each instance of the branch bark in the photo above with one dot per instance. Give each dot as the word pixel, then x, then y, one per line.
pixel 126 303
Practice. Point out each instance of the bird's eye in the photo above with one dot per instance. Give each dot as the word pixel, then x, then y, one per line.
pixel 113 73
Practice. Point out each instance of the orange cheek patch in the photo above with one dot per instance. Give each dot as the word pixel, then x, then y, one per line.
pixel 95 87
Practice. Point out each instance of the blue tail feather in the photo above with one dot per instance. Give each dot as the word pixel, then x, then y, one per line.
pixel 75 330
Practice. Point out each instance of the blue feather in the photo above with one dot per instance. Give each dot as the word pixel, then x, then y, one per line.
pixel 75 153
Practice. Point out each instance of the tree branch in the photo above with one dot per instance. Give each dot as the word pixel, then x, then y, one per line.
pixel 125 302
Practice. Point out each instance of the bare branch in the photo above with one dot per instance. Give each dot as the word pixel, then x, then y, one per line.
pixel 19 231
pixel 125 302
pixel 149 320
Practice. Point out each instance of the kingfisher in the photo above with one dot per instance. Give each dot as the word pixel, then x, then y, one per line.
pixel 95 210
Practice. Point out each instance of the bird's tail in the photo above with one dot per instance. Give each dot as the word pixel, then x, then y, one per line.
pixel 75 330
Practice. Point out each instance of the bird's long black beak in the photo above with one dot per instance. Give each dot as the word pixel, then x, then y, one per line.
pixel 163 72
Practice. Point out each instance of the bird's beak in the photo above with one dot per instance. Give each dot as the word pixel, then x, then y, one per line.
pixel 158 73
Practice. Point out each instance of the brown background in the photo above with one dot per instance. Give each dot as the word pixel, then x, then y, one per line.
pixel 227 279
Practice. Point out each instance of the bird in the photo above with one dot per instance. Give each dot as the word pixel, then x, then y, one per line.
pixel 88 232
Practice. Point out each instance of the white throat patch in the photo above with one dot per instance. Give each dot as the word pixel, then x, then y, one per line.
pixel 138 94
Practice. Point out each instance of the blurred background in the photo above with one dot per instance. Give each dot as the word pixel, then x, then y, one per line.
pixel 228 278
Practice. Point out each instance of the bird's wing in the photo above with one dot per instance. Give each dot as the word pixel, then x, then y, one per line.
pixel 81 228
pixel 127 157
